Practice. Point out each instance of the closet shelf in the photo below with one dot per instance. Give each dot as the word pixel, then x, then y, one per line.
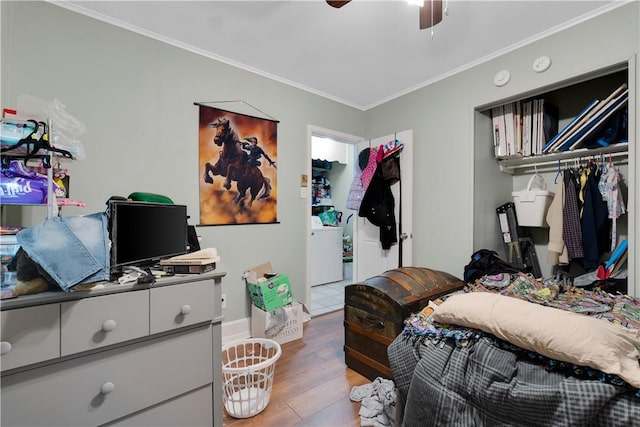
pixel 548 162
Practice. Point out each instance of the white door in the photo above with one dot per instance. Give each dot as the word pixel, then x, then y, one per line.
pixel 371 259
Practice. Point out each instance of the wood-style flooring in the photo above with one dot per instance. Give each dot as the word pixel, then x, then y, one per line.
pixel 311 383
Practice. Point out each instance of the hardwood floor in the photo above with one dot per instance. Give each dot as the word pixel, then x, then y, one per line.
pixel 311 384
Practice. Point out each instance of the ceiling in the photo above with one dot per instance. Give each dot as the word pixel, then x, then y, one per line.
pixel 362 54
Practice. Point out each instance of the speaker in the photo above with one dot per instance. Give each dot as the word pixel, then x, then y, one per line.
pixel 192 239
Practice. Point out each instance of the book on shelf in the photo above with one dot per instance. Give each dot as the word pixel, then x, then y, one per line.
pixel 526 127
pixel 556 140
pixel 518 126
pixel 570 137
pixel 591 127
pixel 547 122
pixel 534 126
pixel 510 133
pixel 522 128
pixel 499 138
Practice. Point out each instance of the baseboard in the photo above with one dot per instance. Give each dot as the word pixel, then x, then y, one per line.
pixel 241 328
pixel 236 330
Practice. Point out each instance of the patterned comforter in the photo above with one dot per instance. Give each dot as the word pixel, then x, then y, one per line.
pixel 452 376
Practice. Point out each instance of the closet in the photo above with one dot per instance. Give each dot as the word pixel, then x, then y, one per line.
pixel 496 178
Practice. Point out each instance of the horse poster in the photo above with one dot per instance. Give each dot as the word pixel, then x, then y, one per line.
pixel 238 171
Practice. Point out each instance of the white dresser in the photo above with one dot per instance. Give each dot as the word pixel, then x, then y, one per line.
pixel 128 355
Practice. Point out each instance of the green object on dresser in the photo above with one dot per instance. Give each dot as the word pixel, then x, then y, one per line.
pixel 149 197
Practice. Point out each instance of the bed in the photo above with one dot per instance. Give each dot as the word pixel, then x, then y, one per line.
pixel 512 351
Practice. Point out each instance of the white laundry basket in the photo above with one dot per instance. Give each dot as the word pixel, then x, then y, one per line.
pixel 248 367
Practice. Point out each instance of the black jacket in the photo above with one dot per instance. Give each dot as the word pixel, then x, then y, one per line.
pixel 378 207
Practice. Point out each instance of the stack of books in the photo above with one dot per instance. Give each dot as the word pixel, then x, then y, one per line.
pixel 196 262
pixel 522 128
pixel 588 125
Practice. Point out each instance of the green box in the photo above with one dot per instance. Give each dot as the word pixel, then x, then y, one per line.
pixel 274 293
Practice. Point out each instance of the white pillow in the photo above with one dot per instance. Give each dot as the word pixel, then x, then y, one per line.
pixel 555 333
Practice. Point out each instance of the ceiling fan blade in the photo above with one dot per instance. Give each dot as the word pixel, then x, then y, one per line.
pixel 337 4
pixel 431 9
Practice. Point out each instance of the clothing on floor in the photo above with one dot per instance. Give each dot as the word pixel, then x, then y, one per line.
pixel 378 402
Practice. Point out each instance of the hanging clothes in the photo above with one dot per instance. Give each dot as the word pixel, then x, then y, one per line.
pixel 610 190
pixel 594 221
pixel 557 253
pixel 571 231
pixel 378 206
pixel 370 166
pixel 356 190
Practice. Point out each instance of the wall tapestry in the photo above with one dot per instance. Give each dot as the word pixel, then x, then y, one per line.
pixel 238 172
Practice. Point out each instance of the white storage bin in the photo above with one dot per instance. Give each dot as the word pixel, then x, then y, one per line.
pixel 533 202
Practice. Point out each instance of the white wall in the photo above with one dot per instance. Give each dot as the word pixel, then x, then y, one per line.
pixel 442 117
pixel 136 97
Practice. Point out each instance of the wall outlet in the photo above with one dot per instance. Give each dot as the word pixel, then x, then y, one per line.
pixel 224 301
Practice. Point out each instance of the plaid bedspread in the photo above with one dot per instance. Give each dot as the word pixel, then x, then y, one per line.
pixel 482 384
pixel 448 375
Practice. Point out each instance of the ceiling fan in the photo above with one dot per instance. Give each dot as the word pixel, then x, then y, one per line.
pixel 430 11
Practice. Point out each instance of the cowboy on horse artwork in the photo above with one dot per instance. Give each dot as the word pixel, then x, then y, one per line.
pixel 233 163
pixel 237 161
pixel 254 152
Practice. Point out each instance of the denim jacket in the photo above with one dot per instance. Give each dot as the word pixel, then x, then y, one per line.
pixel 73 250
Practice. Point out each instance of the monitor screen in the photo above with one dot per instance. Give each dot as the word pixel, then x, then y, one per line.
pixel 142 233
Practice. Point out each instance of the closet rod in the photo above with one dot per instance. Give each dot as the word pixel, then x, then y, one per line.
pixel 551 162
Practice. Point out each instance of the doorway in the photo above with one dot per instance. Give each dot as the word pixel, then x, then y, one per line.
pixel 369 258
pixel 325 293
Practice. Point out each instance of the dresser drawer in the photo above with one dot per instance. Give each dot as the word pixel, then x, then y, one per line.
pixel 96 322
pixel 193 409
pixel 29 335
pixel 98 388
pixel 181 305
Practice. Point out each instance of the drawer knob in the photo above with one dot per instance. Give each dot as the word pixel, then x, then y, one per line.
pixel 107 387
pixel 185 309
pixel 109 325
pixel 5 347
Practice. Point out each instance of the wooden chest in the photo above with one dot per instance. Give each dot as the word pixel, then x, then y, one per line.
pixel 375 311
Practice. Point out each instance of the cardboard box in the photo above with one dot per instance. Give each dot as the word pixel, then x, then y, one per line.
pixel 281 325
pixel 273 292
